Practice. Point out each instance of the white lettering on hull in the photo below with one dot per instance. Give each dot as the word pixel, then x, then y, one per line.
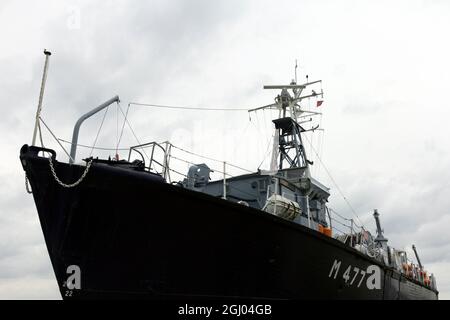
pixel 355 276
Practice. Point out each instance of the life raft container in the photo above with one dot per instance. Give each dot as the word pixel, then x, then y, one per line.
pixel 282 207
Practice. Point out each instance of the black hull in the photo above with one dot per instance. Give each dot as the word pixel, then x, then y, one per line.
pixel 134 236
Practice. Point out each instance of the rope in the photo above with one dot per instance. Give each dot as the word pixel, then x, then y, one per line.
pixel 62 184
pixel 186 108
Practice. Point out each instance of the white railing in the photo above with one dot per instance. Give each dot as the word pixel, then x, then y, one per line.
pixel 348 224
pixel 166 159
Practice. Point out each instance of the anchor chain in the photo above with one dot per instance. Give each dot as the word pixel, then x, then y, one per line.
pixel 62 184
pixel 27 186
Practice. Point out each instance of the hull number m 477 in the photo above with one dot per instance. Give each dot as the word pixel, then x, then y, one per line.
pixel 354 276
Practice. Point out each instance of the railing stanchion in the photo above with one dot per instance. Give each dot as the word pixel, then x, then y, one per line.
pixel 351 232
pixel 224 181
pixel 308 211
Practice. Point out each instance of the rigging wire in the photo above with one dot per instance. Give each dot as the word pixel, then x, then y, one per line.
pixel 345 219
pixel 270 137
pixel 186 108
pixel 336 185
pixel 266 154
pixel 258 132
pixel 236 145
pixel 320 140
pixel 98 132
pixel 40 136
pixel 93 147
pixel 176 107
pixel 339 215
pixel 264 122
pixel 311 134
pixel 123 126
pixel 62 147
pixel 134 134
pixel 260 144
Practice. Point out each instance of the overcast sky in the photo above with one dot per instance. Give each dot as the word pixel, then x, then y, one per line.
pixel 385 72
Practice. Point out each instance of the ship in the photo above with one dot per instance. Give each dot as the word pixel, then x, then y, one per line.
pixel 123 229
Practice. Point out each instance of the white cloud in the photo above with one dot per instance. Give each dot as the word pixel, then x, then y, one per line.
pixel 384 67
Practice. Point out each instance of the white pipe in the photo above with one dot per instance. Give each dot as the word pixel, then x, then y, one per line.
pixel 76 129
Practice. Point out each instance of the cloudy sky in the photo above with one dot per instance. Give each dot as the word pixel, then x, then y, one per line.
pixel 385 72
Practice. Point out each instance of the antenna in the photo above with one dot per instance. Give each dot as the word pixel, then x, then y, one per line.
pixel 286 101
pixel 295 71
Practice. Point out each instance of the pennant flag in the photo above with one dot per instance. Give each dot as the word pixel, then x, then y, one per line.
pixel 319 102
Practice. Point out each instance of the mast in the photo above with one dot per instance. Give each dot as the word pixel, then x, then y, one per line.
pixel 380 239
pixel 288 149
pixel 41 96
